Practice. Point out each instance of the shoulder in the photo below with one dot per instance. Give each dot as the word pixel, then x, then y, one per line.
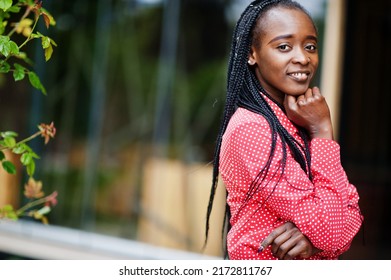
pixel 245 147
pixel 244 120
pixel 247 131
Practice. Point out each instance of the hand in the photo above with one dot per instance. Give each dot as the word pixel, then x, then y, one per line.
pixel 288 242
pixel 311 112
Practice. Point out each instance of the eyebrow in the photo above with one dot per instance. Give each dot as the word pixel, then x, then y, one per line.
pixel 288 36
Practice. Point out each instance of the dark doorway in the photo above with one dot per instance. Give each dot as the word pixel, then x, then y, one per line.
pixel 365 131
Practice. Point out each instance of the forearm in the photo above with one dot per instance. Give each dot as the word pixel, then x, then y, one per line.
pixel 337 210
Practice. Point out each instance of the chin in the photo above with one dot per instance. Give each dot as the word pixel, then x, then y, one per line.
pixel 297 91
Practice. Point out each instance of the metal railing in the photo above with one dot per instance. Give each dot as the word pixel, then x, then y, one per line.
pixel 37 241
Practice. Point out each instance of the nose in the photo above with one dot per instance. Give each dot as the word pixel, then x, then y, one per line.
pixel 300 56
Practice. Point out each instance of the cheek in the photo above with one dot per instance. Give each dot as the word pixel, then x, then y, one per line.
pixel 273 65
pixel 315 61
pixel 315 66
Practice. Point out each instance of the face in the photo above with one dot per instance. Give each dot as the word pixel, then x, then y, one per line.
pixel 286 57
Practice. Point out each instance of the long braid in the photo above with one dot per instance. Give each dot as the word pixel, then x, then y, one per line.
pixel 243 90
pixel 236 73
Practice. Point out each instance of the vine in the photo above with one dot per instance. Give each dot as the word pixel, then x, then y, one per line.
pixel 14 60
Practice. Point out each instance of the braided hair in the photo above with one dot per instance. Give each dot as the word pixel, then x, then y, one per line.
pixel 243 90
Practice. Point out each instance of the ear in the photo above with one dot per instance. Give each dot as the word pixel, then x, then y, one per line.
pixel 251 57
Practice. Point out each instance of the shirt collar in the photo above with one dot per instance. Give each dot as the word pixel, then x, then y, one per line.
pixel 282 117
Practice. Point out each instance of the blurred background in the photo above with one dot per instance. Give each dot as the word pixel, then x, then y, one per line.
pixel 136 89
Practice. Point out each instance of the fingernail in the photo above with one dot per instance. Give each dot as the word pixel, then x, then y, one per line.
pixel 260 249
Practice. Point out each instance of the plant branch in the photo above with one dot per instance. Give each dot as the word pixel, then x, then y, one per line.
pixel 35 203
pixel 29 37
pixel 23 141
pixel 25 15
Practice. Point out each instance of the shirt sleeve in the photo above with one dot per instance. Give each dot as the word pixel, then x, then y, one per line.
pixel 342 217
pixel 324 209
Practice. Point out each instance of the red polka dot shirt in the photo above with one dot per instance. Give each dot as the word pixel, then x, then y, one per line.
pixel 325 210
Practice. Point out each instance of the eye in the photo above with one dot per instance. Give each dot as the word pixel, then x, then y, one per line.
pixel 311 48
pixel 284 47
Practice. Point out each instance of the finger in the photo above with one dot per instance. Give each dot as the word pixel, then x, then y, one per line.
pixel 285 241
pixel 271 237
pixel 276 233
pixel 297 246
pixel 301 100
pixel 282 244
pixel 291 254
pixel 308 94
pixel 316 93
pixel 290 101
pixel 298 250
pixel 290 249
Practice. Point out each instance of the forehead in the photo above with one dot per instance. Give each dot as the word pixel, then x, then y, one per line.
pixel 280 20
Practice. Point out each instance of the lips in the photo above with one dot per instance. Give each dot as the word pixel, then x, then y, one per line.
pixel 299 76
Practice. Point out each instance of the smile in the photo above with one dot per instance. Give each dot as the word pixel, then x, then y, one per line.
pixel 299 76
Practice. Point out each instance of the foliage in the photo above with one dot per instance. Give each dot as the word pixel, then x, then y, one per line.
pixel 10 50
pixel 14 60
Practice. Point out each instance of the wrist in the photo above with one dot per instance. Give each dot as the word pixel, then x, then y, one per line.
pixel 324 131
pixel 316 251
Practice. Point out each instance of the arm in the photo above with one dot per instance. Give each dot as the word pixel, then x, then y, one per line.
pixel 320 209
pixel 310 111
pixel 325 210
pixel 288 242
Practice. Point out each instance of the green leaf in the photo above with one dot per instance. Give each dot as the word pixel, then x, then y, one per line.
pixel 7 208
pixel 9 134
pixel 4 39
pixel 23 56
pixel 19 72
pixel 47 45
pixel 2 156
pixel 26 147
pixel 9 167
pixel 34 155
pixel 31 168
pixel 2 28
pixel 4 67
pixel 26 159
pixel 14 9
pixel 9 142
pixel 53 43
pixel 5 4
pixel 35 35
pixel 14 49
pixel 12 215
pixel 47 14
pixel 35 82
pixel 45 42
pixel 48 52
pixel 5 47
pixel 19 150
pixel 8 212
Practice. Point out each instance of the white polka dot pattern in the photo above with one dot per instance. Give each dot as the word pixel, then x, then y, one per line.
pixel 325 210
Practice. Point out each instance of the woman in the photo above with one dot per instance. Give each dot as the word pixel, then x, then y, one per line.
pixel 288 196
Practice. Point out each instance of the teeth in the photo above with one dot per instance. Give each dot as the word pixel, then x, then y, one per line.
pixel 299 75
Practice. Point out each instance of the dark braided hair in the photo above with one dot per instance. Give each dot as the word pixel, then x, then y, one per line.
pixel 243 90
